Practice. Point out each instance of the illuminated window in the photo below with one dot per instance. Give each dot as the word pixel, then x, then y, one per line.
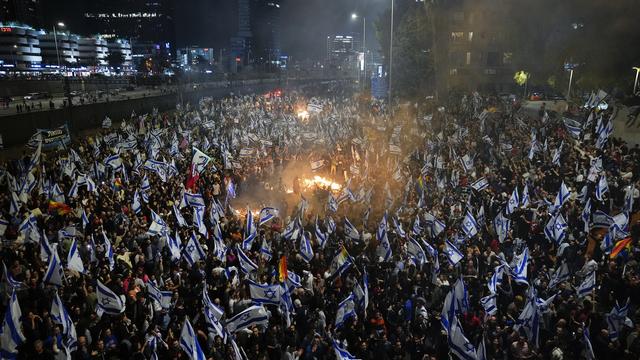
pixel 468 58
pixel 507 58
pixel 457 35
pixel 470 36
pixel 453 71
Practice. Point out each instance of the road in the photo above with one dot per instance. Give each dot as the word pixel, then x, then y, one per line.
pixel 59 99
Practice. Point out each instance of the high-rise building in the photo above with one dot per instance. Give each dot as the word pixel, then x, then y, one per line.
pixel 22 11
pixel 266 31
pixel 19 48
pixel 342 50
pixel 473 50
pixel 149 21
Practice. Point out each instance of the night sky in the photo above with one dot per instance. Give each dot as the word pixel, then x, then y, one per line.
pixel 305 23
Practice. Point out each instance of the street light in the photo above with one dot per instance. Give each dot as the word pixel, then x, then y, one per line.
pixel 55 39
pixel 354 16
pixel 635 83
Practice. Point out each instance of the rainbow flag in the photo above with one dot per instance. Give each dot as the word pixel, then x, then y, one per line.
pixel 620 246
pixel 282 269
pixel 59 208
pixel 117 184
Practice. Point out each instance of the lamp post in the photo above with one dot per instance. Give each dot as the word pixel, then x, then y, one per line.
pixel 354 16
pixel 391 54
pixel 55 39
pixel 635 83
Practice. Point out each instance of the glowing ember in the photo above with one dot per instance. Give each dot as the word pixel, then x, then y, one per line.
pixel 303 115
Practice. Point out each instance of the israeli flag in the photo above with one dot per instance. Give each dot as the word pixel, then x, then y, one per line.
pixel 54 273
pixel 45 248
pixel 617 318
pixel 85 219
pixel 331 225
pixel 246 265
pixel 480 184
pixel 555 230
pixel 587 285
pixel 163 298
pixel 193 251
pixel 469 225
pixel 264 294
pixel 529 321
pixel 341 353
pixel 602 188
pixel 398 227
pixel 519 268
pixel 266 214
pixel 501 225
pixel 199 162
pixel 524 202
pixel 332 204
pixel 306 250
pixel 250 231
pixel 562 197
pixel 217 211
pixel 437 227
pixel 489 304
pixel 453 254
pixel 108 251
pixel 136 206
pixel 292 230
pixel 321 236
pixel 11 335
pixel 108 301
pixel 346 310
pixel 158 226
pixel 340 263
pixel 459 344
pixel 513 203
pixel 59 315
pixel 195 200
pixel 350 231
pixel 265 250
pixel 10 280
pixel 557 154
pixel 144 185
pixel 560 275
pixel 74 262
pixel 179 218
pixel 253 315
pixel 114 162
pixel 417 227
pixel 416 252
pixel 189 342
pixel 174 246
pixel 467 163
pixel 213 314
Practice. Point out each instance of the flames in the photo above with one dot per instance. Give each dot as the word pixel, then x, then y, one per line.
pixel 303 115
pixel 307 184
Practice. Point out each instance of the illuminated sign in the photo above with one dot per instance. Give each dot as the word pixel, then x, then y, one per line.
pixel 6 29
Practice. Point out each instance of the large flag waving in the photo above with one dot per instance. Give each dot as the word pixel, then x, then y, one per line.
pixel 189 342
pixel 199 162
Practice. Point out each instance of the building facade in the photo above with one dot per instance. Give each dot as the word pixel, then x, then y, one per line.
pixel 93 51
pixel 473 48
pixel 266 31
pixel 65 52
pixel 120 54
pixel 19 48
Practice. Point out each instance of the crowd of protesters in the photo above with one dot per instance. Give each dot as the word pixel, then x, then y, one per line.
pixel 408 184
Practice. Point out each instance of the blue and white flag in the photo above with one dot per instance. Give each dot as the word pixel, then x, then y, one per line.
pixel 557 154
pixel 293 229
pixel 556 229
pixel 108 301
pixel 321 236
pixel 246 265
pixel 480 217
pixel 59 315
pixel 586 215
pixel 163 298
pixel 519 267
pixel 199 162
pixel 74 262
pixel 189 342
pixel 628 198
pixel 114 162
pixel 253 315
pixel 195 200
pixel 346 310
pixel 616 318
pixel 198 219
pixel 461 296
pixel 467 163
pixel 213 314
pixel 529 321
pixel 437 227
pixel 108 251
pixel 588 349
pixel 480 184
pixel 179 218
pixel 573 127
pixel 514 202
pixel 10 280
pixel 144 184
pixel 416 252
pixel 350 231
pixel 489 304
pixel 332 204
pixel 524 201
pixel 193 251
pixel 174 246
pixel 265 250
pixel 340 263
pixel 501 225
pixel 136 206
pixel 560 275
pixel 602 188
pixel 158 226
pixel 306 250
pixel 85 219
pixel 453 254
pixel 342 353
pixel 459 344
pixel 331 225
pixel 11 335
pixel 587 285
pixel 264 294
pixel 250 231
pixel 562 197
pixel 54 273
pixel 266 214
pixel 469 225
